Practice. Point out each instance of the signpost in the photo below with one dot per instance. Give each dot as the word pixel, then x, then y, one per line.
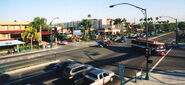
pixel 121 72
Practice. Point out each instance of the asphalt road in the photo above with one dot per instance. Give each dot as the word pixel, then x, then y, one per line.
pixel 108 58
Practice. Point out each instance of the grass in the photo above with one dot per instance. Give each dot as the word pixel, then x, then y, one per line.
pixel 181 41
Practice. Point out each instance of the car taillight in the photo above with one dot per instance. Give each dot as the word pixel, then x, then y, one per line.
pixel 70 75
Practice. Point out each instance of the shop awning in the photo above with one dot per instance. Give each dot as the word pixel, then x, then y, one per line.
pixel 11 42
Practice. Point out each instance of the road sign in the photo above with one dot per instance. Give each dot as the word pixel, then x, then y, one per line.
pixel 121 71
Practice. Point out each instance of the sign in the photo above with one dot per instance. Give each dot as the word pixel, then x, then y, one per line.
pixel 121 71
pixel 77 32
pixel 10 42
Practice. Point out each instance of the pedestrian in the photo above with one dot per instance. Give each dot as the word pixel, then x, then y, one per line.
pixel 8 52
pixel 11 52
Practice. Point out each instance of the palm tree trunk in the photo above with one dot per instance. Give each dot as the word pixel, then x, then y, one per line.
pixel 40 33
pixel 31 42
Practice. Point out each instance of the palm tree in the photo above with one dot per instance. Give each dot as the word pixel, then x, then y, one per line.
pixel 30 32
pixel 157 18
pixel 89 16
pixel 119 22
pixel 38 23
pixel 151 18
pixel 141 20
pixel 181 26
pixel 86 24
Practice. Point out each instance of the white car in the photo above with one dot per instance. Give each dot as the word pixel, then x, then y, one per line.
pixel 76 70
pixel 63 43
pixel 99 76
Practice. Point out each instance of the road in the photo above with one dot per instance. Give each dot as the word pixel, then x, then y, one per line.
pixel 107 58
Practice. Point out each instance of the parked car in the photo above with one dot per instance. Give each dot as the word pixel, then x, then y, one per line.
pixel 116 38
pixel 75 70
pixel 63 43
pixel 98 77
pixel 134 36
pixel 123 39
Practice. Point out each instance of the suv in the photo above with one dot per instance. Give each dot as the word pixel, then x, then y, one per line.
pixel 75 70
pixel 61 66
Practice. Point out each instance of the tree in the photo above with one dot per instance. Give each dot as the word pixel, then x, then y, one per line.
pixel 39 23
pixel 181 25
pixel 119 22
pixel 86 24
pixel 157 18
pixel 30 32
pixel 89 16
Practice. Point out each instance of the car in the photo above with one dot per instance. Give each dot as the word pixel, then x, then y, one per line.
pixel 76 70
pixel 99 76
pixel 63 43
pixel 123 39
pixel 61 66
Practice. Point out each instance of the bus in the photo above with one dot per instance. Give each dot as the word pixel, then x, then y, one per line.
pixel 157 48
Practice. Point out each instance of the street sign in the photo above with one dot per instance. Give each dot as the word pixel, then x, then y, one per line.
pixel 121 71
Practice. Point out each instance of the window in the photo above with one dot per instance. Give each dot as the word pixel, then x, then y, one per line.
pixel 101 76
pixel 5 35
pixel 92 75
pixel 26 26
pixel 78 69
pixel 5 27
pixel 105 74
pixel 15 27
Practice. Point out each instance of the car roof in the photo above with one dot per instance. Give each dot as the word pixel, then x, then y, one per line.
pixel 73 65
pixel 96 71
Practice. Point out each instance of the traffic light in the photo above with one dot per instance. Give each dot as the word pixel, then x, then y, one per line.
pixel 147 52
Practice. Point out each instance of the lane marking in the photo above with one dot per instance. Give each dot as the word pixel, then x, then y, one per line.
pixel 160 60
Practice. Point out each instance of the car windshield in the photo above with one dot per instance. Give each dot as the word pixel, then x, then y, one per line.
pixel 92 75
pixel 160 47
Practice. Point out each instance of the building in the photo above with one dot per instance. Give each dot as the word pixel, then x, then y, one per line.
pixel 12 30
pixel 97 23
pixel 108 31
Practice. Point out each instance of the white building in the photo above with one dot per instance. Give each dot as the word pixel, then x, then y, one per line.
pixel 97 23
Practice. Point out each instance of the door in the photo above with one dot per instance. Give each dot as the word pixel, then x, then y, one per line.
pixel 101 79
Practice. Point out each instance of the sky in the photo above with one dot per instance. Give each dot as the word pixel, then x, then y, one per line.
pixel 73 10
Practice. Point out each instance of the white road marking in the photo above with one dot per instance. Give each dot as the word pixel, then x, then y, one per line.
pixel 160 60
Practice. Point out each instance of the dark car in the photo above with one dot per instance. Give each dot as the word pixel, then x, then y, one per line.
pixel 123 39
pixel 61 66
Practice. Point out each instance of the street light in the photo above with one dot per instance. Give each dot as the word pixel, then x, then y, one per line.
pixel 176 26
pixel 51 38
pixel 145 15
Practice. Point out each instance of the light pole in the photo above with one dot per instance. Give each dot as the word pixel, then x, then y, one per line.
pixel 51 38
pixel 145 15
pixel 176 27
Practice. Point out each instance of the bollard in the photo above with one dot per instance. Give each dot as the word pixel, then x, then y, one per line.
pixel 136 79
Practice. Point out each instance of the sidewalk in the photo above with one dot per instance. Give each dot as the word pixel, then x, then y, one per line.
pixel 158 78
pixel 162 78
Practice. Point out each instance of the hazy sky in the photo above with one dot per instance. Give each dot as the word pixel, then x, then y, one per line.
pixel 72 10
